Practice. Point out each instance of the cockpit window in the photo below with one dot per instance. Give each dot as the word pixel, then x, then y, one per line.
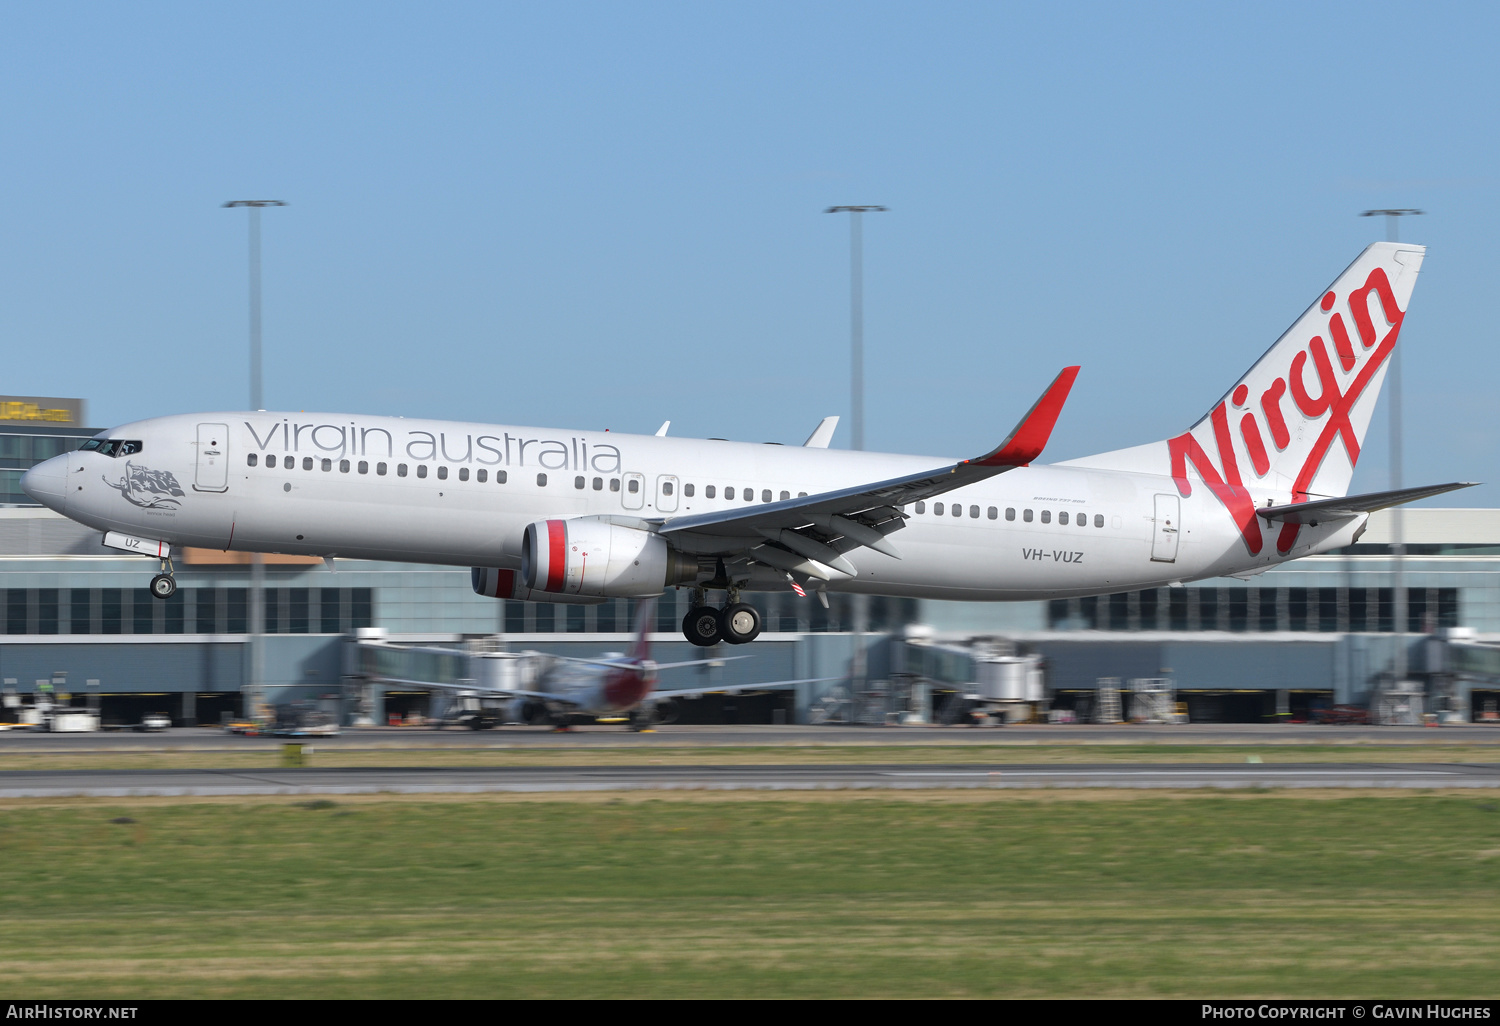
pixel 113 446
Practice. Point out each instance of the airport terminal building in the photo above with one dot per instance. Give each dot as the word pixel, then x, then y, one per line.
pixel 1316 633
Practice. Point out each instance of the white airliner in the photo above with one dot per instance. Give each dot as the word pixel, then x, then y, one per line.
pixel 582 516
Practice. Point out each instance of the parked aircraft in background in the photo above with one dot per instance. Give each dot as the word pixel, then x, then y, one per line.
pixel 567 688
pixel 583 516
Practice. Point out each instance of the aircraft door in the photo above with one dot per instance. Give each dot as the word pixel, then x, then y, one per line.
pixel 666 494
pixel 1165 529
pixel 633 496
pixel 212 474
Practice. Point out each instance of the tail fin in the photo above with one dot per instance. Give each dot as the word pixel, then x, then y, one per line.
pixel 645 610
pixel 1291 428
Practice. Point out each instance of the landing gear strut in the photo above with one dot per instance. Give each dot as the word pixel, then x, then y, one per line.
pixel 164 585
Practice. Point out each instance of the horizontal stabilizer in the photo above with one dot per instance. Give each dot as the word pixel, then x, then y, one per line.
pixel 1323 510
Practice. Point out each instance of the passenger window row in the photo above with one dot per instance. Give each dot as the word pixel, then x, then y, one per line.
pixel 766 494
pixel 581 482
pixel 993 513
pixel 481 475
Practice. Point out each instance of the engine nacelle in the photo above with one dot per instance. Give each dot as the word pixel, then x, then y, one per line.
pixel 507 584
pixel 594 557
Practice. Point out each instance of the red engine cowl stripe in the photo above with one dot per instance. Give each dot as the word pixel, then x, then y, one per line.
pixel 557 554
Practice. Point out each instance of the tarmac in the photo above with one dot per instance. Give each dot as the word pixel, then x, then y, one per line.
pixel 605 735
pixel 346 781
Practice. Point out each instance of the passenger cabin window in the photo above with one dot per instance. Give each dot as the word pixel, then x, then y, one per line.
pixel 401 470
pixel 729 491
pixel 614 484
pixel 599 484
pixel 252 458
pixel 343 466
pixel 307 463
pixel 937 509
pixel 666 487
pixel 1046 516
pixel 1026 515
pixel 708 491
pixel 1083 520
pixel 463 473
pixel 501 477
pixel 380 470
pixel 1098 519
pixel 994 513
pixel 327 466
pixel 687 491
pixel 765 495
pixel 421 470
pixel 481 475
pixel 1010 513
pixel 973 512
pixel 921 507
pixel 541 480
pixel 785 496
pixel 579 483
pixel 633 486
pixel 1062 518
pixel 442 473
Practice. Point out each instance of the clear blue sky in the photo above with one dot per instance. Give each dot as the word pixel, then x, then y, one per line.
pixel 610 214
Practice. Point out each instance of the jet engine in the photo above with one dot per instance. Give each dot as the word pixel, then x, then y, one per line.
pixel 507 584
pixel 594 557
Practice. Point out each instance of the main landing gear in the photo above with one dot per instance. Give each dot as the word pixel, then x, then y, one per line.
pixel 164 585
pixel 737 623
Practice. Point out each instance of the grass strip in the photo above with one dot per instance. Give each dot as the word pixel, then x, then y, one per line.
pixel 1183 894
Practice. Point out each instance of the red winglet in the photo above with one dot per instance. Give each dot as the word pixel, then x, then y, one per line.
pixel 1029 438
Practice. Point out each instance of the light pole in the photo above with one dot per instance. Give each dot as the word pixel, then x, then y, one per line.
pixel 856 214
pixel 255 685
pixel 856 318
pixel 1398 541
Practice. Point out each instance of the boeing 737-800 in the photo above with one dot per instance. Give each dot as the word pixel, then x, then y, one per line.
pixel 582 516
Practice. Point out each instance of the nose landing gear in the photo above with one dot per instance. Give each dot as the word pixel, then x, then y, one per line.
pixel 164 585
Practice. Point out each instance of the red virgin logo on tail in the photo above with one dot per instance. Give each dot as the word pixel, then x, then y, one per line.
pixel 1331 406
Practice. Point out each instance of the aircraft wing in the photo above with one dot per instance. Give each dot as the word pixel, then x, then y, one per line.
pixel 861 515
pixel 621 664
pixel 1322 510
pixel 736 689
pixel 474 688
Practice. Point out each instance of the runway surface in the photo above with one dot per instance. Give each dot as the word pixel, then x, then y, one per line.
pixel 189 782
pixel 208 738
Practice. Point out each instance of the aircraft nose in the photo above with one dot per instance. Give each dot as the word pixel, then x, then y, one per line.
pixel 47 482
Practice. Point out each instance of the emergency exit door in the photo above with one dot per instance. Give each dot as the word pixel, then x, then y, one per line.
pixel 1166 529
